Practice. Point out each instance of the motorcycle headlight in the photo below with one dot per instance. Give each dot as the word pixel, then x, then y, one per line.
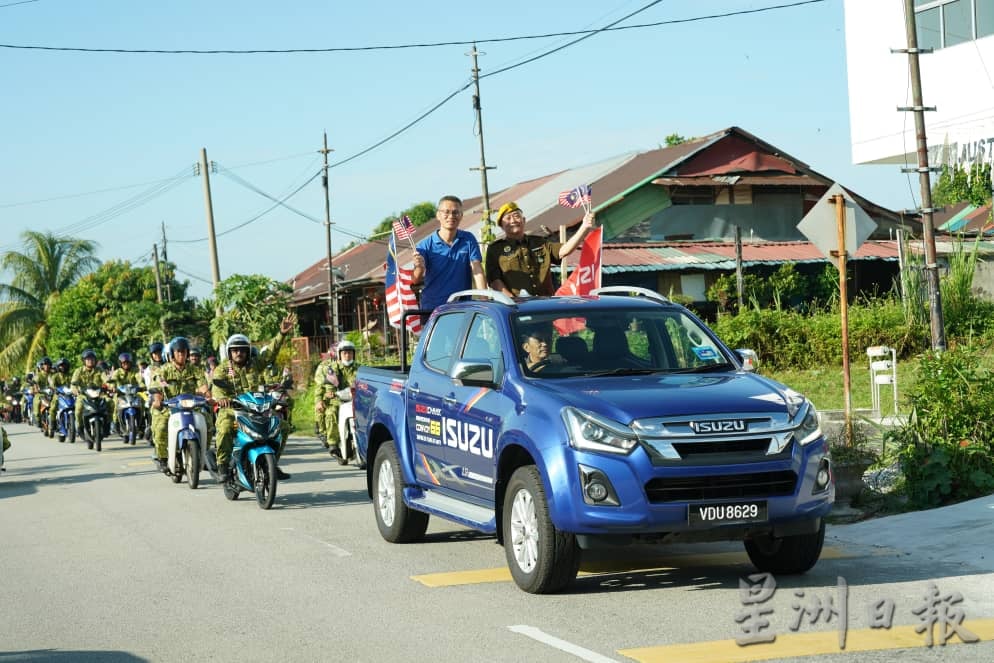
pixel 187 403
pixel 809 429
pixel 93 392
pixel 590 432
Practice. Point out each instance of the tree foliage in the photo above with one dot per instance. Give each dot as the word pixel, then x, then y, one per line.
pixel 115 310
pixel 48 266
pixel 674 139
pixel 958 185
pixel 418 213
pixel 252 304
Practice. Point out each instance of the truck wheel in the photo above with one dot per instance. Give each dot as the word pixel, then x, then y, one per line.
pixel 541 558
pixel 396 521
pixel 786 555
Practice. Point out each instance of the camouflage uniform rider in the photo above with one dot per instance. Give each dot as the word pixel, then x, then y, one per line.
pixel 125 375
pixel 176 377
pixel 41 382
pixel 60 378
pixel 339 376
pixel 236 374
pixel 85 376
pixel 319 373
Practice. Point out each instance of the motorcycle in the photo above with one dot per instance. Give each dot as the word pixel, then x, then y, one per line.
pixel 281 396
pixel 147 410
pixel 65 415
pixel 13 410
pixel 96 418
pixel 258 436
pixel 131 412
pixel 347 448
pixel 187 435
pixel 28 398
pixel 44 406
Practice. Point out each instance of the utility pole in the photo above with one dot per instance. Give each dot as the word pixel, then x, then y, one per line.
pixel 332 299
pixel 923 170
pixel 165 258
pixel 211 239
pixel 158 290
pixel 487 234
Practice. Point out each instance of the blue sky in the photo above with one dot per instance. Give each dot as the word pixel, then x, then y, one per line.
pixel 77 123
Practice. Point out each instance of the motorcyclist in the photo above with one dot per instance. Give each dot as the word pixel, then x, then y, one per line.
pixel 338 379
pixel 125 375
pixel 14 391
pixel 177 377
pixel 236 374
pixel 59 378
pixel 44 368
pixel 88 375
pixel 6 445
pixel 319 375
pixel 155 362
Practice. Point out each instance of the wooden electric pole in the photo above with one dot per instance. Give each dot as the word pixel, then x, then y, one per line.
pixel 487 234
pixel 931 265
pixel 211 239
pixel 332 299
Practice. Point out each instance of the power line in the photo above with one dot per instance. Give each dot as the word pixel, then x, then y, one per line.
pixel 387 47
pixel 91 193
pixel 19 2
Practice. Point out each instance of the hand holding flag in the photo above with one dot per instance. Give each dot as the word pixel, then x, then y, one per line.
pixel 403 228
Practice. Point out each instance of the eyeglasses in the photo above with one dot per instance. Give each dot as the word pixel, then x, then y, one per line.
pixel 514 215
pixel 450 212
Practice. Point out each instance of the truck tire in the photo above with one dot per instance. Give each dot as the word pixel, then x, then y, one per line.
pixel 542 559
pixel 788 555
pixel 396 521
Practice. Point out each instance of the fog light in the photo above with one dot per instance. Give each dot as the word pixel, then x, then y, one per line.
pixel 824 475
pixel 597 491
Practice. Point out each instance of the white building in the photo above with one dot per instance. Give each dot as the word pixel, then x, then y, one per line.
pixel 958 79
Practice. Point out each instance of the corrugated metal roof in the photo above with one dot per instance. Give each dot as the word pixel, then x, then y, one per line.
pixel 621 258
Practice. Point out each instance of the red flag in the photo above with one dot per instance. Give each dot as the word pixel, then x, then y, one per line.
pixel 586 277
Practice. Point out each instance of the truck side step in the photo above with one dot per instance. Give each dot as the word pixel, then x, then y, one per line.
pixel 477 517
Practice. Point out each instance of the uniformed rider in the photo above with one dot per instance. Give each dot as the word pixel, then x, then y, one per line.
pixel 59 378
pixel 87 375
pixel 176 377
pixel 335 384
pixel 236 374
pixel 125 375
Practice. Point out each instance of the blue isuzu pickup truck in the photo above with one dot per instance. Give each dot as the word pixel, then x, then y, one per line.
pixel 566 423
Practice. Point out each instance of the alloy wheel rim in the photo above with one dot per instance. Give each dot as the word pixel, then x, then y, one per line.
pixel 524 531
pixel 386 491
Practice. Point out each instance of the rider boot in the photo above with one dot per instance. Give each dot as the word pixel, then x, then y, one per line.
pixel 281 475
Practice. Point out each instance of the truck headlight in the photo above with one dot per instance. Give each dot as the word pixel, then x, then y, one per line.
pixel 590 432
pixel 810 429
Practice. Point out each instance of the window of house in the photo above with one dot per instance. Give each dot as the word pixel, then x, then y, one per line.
pixel 692 195
pixel 944 23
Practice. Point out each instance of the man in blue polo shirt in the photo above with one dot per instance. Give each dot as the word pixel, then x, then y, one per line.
pixel 448 260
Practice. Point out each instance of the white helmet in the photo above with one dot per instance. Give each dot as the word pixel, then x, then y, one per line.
pixel 343 346
pixel 237 341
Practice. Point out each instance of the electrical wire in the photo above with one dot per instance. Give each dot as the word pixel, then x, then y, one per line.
pixel 387 47
pixel 92 193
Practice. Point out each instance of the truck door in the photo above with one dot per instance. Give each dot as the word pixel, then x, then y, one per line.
pixel 472 415
pixel 428 383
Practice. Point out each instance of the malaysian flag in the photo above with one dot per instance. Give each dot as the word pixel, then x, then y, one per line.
pixel 578 197
pixel 399 295
pixel 403 228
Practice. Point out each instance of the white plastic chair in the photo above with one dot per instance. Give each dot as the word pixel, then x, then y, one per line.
pixel 882 372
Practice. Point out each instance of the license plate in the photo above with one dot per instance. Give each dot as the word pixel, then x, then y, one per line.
pixel 706 515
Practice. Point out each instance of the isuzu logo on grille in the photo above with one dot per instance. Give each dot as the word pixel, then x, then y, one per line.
pixel 726 426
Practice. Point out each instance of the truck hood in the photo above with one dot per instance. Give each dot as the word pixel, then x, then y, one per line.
pixel 627 398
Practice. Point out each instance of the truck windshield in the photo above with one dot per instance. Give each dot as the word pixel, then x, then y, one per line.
pixel 616 342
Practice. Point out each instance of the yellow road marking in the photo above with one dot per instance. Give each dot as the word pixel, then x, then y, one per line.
pixel 502 574
pixel 800 644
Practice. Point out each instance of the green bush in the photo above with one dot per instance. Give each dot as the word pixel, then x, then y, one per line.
pixel 945 449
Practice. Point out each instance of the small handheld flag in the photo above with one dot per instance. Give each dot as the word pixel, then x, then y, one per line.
pixel 578 197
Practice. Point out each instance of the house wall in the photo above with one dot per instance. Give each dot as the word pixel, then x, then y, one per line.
pixel 953 80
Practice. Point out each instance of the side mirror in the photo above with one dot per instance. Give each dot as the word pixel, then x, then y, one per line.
pixel 473 373
pixel 749 359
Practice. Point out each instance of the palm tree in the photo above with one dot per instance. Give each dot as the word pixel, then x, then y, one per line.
pixel 48 266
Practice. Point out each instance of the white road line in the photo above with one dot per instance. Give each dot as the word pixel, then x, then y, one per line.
pixel 561 645
pixel 335 550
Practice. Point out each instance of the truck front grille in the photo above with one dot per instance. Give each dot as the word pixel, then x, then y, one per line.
pixel 724 486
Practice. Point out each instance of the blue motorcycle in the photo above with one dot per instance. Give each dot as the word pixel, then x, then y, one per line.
pixel 130 412
pixel 65 415
pixel 258 436
pixel 29 401
pixel 187 436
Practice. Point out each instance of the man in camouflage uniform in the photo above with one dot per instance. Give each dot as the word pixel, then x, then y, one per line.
pixel 41 382
pixel 319 373
pixel 177 377
pixel 124 375
pixel 236 374
pixel 87 375
pixel 60 378
pixel 337 379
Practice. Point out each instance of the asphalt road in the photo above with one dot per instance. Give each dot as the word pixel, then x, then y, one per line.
pixel 104 559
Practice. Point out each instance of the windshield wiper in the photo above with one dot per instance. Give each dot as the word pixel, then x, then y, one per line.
pixel 623 371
